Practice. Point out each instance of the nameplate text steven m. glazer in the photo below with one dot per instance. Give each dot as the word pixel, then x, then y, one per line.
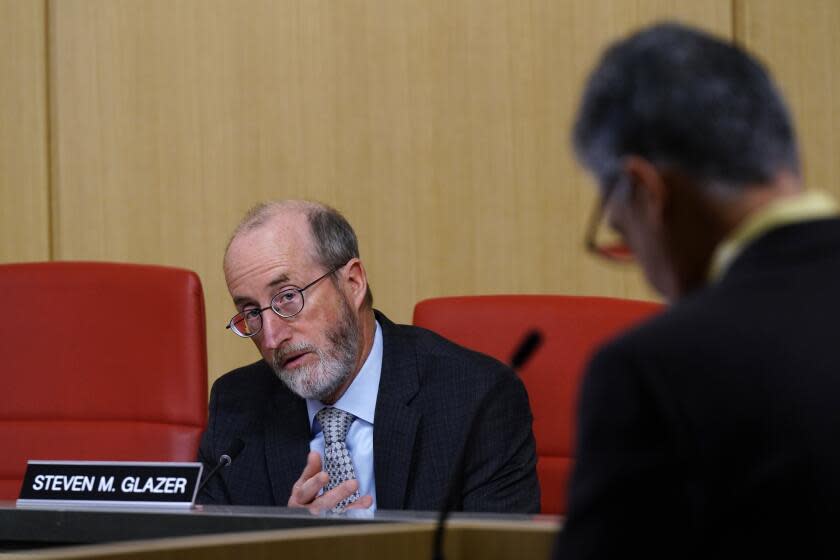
pixel 110 483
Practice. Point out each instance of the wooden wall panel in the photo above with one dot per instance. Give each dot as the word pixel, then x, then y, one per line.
pixel 799 41
pixel 439 127
pixel 24 202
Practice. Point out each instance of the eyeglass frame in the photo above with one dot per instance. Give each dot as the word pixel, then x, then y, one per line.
pixel 259 311
pixel 622 253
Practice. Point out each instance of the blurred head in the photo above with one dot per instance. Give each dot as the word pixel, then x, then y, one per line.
pixel 682 131
pixel 288 245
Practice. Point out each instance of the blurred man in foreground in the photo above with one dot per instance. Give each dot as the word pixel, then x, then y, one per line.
pixel 347 409
pixel 711 431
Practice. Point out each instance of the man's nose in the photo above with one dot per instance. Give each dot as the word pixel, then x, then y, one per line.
pixel 275 329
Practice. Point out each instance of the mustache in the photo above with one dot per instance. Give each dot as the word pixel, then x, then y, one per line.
pixel 281 355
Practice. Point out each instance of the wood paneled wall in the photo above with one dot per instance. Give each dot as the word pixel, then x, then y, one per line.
pixel 141 131
pixel 800 43
pixel 24 169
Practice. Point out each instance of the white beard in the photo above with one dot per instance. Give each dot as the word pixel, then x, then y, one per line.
pixel 335 365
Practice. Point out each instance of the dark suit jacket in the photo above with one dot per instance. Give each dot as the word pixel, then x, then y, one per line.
pixel 714 430
pixel 429 390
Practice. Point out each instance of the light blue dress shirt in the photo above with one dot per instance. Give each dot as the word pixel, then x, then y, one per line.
pixel 359 400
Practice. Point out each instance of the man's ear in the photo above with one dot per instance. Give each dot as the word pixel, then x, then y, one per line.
pixel 355 282
pixel 650 192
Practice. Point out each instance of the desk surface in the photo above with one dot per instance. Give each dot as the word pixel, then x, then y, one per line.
pixel 23 527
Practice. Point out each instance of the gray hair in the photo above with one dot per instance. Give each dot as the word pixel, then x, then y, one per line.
pixel 334 240
pixel 682 98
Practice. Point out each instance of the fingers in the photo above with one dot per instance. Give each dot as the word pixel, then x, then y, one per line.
pixel 363 502
pixel 328 500
pixel 313 466
pixel 312 479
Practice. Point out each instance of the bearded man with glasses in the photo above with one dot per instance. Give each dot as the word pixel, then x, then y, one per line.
pixel 347 410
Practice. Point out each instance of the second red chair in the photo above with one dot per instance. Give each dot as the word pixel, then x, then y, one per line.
pixel 572 327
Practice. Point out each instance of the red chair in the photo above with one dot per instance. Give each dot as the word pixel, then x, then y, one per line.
pixel 572 327
pixel 99 361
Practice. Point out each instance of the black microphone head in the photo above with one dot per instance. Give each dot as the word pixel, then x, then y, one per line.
pixel 236 447
pixel 530 342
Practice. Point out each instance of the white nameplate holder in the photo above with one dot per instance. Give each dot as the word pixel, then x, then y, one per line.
pixel 110 483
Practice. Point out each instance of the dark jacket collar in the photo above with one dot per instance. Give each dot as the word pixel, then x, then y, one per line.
pixel 396 421
pixel 786 246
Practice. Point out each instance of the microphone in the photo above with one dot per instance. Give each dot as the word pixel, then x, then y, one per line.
pixel 233 451
pixel 521 355
pixel 530 342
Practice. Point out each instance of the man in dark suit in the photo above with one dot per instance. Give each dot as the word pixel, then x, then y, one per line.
pixel 401 398
pixel 712 430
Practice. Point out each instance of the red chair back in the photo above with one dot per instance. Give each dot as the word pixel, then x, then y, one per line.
pixel 572 328
pixel 99 361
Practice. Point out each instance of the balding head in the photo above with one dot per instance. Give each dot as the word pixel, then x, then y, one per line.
pixel 332 241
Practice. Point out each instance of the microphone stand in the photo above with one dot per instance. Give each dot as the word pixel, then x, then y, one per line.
pixel 236 447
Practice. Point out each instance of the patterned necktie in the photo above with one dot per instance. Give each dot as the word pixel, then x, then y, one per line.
pixel 337 462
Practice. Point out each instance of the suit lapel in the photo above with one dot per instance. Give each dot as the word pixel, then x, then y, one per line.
pixel 287 435
pixel 396 421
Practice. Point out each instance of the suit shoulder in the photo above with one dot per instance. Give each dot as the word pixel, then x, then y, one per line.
pixel 689 342
pixel 433 349
pixel 697 316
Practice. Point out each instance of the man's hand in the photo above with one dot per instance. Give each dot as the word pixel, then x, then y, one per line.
pixel 312 479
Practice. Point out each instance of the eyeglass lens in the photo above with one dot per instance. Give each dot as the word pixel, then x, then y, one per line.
pixel 247 323
pixel 602 239
pixel 287 303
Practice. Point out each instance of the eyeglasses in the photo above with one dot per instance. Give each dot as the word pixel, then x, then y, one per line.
pixel 286 304
pixel 600 239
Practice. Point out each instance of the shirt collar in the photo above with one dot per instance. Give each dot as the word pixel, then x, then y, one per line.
pixel 360 397
pixel 803 207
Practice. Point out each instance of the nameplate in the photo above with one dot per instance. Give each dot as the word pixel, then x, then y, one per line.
pixel 108 483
